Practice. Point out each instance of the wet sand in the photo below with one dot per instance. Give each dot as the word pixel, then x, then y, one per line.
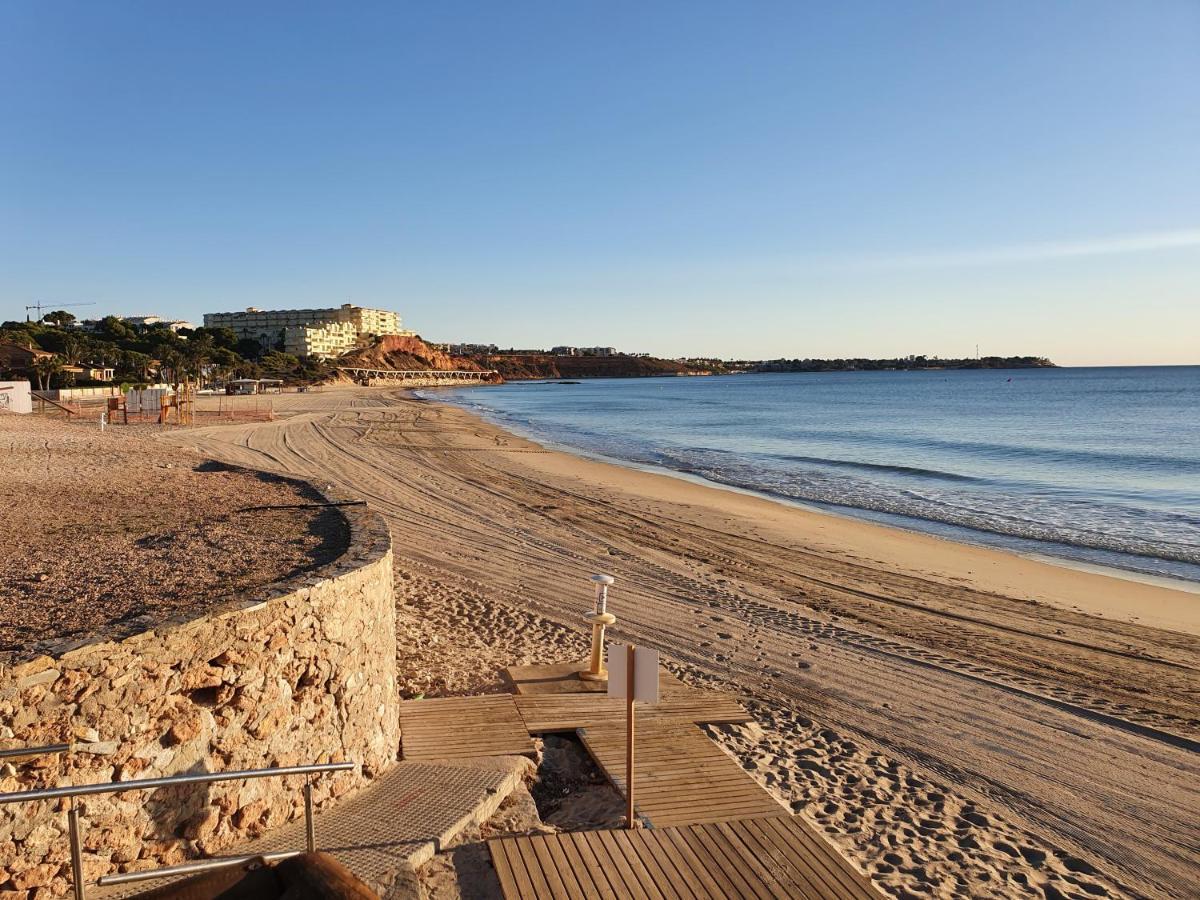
pixel 960 721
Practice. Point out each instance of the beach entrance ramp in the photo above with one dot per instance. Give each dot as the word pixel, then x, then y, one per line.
pixel 386 831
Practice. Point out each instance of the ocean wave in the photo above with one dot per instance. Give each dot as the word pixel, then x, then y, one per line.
pixel 1084 525
pixel 878 467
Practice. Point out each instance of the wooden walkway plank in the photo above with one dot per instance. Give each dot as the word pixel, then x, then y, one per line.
pixel 822 854
pixel 745 881
pixel 463 727
pixel 800 862
pixel 580 883
pixel 687 873
pixel 736 851
pixel 596 873
pixel 511 884
pixel 611 856
pixel 682 776
pixel 646 869
pixel 766 859
pixel 704 865
pixel 660 865
pixel 562 883
pixel 537 878
pixel 776 862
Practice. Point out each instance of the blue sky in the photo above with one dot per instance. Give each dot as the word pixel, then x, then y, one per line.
pixel 740 179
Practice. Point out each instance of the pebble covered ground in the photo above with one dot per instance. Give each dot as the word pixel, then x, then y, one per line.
pixel 107 534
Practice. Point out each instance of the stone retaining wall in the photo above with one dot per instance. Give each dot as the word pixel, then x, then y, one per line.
pixel 301 675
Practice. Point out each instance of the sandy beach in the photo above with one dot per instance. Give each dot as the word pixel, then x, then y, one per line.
pixel 960 721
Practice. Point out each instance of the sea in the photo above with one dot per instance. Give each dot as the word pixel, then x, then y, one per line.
pixel 1087 466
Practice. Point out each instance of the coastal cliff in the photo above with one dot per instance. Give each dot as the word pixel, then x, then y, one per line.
pixel 406 353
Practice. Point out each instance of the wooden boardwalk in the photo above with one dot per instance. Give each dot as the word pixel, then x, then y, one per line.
pixel 463 727
pixel 682 777
pixel 757 859
pixel 713 831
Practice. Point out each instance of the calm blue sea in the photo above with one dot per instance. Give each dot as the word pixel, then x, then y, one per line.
pixel 1094 465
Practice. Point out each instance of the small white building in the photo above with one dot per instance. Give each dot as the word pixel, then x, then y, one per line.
pixel 15 397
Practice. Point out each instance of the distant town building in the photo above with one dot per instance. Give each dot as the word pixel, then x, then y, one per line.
pixel 146 321
pixel 269 326
pixel 94 325
pixel 95 372
pixel 470 349
pixel 583 351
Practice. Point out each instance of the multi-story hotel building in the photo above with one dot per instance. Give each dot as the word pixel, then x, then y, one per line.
pixel 322 341
pixel 309 332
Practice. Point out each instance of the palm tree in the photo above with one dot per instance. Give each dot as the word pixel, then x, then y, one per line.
pixel 136 362
pixel 173 363
pixel 46 367
pixel 72 347
pixel 199 351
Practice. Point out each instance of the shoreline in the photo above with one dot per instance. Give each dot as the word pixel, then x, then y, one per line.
pixel 862 533
pixel 857 514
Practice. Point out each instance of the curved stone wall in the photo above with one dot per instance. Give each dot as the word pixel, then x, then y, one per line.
pixel 303 674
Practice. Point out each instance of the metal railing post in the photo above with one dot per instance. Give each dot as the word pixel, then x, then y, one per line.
pixel 310 830
pixel 76 850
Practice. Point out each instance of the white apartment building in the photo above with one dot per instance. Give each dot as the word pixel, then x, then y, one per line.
pixel 269 326
pixel 320 341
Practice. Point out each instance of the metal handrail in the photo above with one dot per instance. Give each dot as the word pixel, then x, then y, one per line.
pixel 192 868
pixel 117 787
pixel 47 750
pixel 144 784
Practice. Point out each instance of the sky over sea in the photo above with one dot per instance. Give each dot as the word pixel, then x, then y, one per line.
pixel 737 179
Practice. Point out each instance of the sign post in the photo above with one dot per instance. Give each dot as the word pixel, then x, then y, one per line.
pixel 632 676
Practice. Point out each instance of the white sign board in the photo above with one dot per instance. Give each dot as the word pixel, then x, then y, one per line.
pixel 15 397
pixel 645 673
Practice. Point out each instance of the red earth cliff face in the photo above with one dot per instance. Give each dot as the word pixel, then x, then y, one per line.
pixel 395 352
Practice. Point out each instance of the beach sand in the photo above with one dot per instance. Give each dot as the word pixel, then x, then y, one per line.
pixel 959 721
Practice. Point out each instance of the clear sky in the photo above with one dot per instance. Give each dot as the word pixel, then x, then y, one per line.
pixel 737 179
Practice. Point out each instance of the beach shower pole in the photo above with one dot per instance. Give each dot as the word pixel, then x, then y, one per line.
pixel 600 619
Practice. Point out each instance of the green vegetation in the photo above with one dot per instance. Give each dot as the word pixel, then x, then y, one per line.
pixel 145 354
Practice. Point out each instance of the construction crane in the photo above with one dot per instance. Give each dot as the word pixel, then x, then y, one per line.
pixel 39 306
